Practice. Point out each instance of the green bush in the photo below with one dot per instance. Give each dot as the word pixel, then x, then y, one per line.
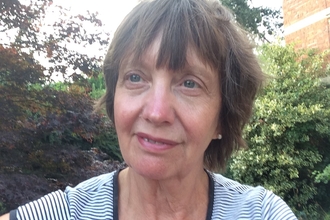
pixel 98 86
pixel 107 142
pixel 2 208
pixel 289 133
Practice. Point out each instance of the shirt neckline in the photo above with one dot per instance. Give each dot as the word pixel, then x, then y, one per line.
pixel 116 195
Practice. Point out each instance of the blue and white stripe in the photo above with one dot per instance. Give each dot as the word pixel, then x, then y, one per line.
pixel 233 200
pixel 97 198
pixel 51 206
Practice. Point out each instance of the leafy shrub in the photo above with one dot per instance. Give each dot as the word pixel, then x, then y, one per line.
pixel 323 176
pixel 98 86
pixel 59 116
pixel 2 208
pixel 289 133
pixel 75 123
pixel 108 143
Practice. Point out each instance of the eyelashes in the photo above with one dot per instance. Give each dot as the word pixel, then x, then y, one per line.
pixel 189 85
pixel 134 78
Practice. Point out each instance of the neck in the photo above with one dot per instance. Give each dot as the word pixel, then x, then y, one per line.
pixel 180 197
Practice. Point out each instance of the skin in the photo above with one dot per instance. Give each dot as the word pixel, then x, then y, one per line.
pixel 165 121
pixel 4 217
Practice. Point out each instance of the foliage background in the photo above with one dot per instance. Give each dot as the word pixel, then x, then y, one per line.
pixel 50 137
pixel 289 133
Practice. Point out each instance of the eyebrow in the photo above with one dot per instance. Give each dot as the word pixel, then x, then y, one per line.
pixel 199 67
pixel 146 62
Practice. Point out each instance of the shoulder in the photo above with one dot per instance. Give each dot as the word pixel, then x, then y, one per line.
pixel 93 198
pixel 93 184
pixel 238 201
pixel 228 184
pixel 75 202
pixel 50 206
pixel 232 194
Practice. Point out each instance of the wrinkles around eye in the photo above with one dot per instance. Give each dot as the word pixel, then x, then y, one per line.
pixel 134 80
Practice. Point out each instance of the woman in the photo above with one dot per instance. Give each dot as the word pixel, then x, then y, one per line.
pixel 181 78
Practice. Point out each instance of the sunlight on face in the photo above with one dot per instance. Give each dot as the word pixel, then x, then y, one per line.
pixel 166 119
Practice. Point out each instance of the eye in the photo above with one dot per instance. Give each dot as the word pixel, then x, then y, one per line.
pixel 134 78
pixel 190 84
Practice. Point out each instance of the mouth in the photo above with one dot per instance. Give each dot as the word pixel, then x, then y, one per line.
pixel 155 143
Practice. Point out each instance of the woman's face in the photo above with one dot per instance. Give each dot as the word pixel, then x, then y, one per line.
pixel 165 120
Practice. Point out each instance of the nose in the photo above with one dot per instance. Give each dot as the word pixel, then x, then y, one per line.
pixel 159 105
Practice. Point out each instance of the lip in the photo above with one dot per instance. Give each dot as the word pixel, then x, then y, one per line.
pixel 155 144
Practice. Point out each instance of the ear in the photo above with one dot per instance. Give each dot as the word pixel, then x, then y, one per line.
pixel 216 134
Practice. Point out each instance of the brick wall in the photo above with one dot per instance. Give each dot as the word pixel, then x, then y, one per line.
pixel 315 35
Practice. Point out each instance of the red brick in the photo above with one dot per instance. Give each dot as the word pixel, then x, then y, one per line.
pixel 314 36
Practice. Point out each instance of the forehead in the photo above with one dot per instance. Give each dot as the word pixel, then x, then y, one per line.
pixel 152 57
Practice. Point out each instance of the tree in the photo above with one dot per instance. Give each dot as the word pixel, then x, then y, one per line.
pixel 24 82
pixel 48 131
pixel 289 133
pixel 258 21
pixel 17 71
pixel 26 23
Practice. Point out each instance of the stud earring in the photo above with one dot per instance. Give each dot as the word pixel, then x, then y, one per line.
pixel 219 136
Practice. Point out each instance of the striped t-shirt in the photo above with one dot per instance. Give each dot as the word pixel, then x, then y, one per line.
pixel 97 198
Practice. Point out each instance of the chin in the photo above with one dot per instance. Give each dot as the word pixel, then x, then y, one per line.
pixel 152 169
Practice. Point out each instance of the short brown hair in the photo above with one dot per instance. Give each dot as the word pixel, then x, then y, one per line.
pixel 218 40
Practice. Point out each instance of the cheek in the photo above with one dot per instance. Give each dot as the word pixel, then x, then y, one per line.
pixel 204 124
pixel 125 114
pixel 121 116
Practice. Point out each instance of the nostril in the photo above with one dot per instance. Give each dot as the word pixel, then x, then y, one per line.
pixel 158 110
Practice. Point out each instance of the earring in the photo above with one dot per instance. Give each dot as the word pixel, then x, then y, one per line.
pixel 219 136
